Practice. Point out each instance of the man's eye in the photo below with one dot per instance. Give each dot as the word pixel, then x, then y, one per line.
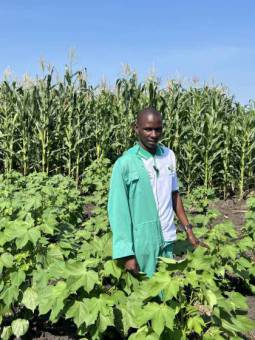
pixel 156 130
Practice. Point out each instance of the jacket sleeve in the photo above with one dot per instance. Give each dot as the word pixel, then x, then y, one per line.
pixel 119 215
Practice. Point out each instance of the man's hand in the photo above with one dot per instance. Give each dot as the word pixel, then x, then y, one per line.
pixel 131 265
pixel 194 241
pixel 180 213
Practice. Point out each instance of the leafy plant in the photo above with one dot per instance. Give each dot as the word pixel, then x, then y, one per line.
pixel 62 125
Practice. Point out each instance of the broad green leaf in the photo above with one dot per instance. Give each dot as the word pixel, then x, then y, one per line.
pixel 17 229
pixel 47 229
pixel 168 260
pixel 200 219
pixel 6 333
pixel 160 315
pixel 140 334
pixel 30 298
pixel 10 294
pixel 224 304
pixel 93 308
pixel 230 326
pixel 7 260
pixel 3 239
pixel 106 318
pixel 201 262
pixel 49 223
pixel 244 323
pixel 111 268
pixel 4 310
pixel 22 241
pixel 52 298
pixel 221 271
pixel 155 285
pixel 54 253
pixel 74 268
pixel 78 311
pixel 65 245
pixel 171 290
pixel 192 278
pixel 39 280
pixel 164 317
pixel 2 284
pixel 20 327
pixel 132 283
pixel 17 278
pixel 229 251
pixel 87 280
pixel 237 300
pixel 57 269
pixel 223 229
pixel 196 324
pixel 34 234
pixel 129 313
pixel 152 336
pixel 244 262
pixel 245 244
pixel 252 287
pixel 213 333
pixel 199 252
pixel 57 308
pixel 119 297
pixel 211 298
pixel 209 279
pixel 92 262
pixel 96 306
pixel 173 264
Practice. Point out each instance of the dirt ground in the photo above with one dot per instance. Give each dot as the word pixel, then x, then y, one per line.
pixel 232 210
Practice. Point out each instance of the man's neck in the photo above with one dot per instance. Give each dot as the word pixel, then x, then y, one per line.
pixel 152 151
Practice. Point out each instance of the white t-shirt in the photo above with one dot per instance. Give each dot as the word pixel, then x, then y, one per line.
pixel 162 173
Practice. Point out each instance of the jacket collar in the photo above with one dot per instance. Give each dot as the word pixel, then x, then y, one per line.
pixel 142 153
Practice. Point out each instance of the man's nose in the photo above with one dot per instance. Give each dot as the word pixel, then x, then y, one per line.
pixel 154 133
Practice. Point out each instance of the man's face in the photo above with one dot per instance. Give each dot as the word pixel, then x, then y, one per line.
pixel 149 130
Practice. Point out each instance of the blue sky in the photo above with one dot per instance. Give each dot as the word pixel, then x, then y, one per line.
pixel 212 41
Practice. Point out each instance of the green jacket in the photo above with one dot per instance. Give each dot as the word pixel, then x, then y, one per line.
pixel 132 212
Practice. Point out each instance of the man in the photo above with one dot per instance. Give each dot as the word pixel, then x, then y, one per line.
pixel 143 198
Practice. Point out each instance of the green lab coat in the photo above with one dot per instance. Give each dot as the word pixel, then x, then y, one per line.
pixel 133 213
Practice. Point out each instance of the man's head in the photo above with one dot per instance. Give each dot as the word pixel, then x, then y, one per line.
pixel 149 128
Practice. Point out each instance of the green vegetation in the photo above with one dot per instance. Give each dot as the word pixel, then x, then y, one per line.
pixel 62 137
pixel 61 126
pixel 55 262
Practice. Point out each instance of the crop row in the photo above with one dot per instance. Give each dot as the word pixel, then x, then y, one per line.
pixel 55 264
pixel 61 126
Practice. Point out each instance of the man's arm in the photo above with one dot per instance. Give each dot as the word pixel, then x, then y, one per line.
pixel 120 221
pixel 180 213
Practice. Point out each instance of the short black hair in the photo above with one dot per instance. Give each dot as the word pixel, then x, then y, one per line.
pixel 147 111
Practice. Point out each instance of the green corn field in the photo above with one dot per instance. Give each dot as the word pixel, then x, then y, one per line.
pixel 61 126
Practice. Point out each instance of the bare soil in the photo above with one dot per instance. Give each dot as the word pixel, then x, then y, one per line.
pixel 232 210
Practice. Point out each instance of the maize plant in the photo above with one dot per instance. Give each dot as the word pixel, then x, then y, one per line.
pixel 61 125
